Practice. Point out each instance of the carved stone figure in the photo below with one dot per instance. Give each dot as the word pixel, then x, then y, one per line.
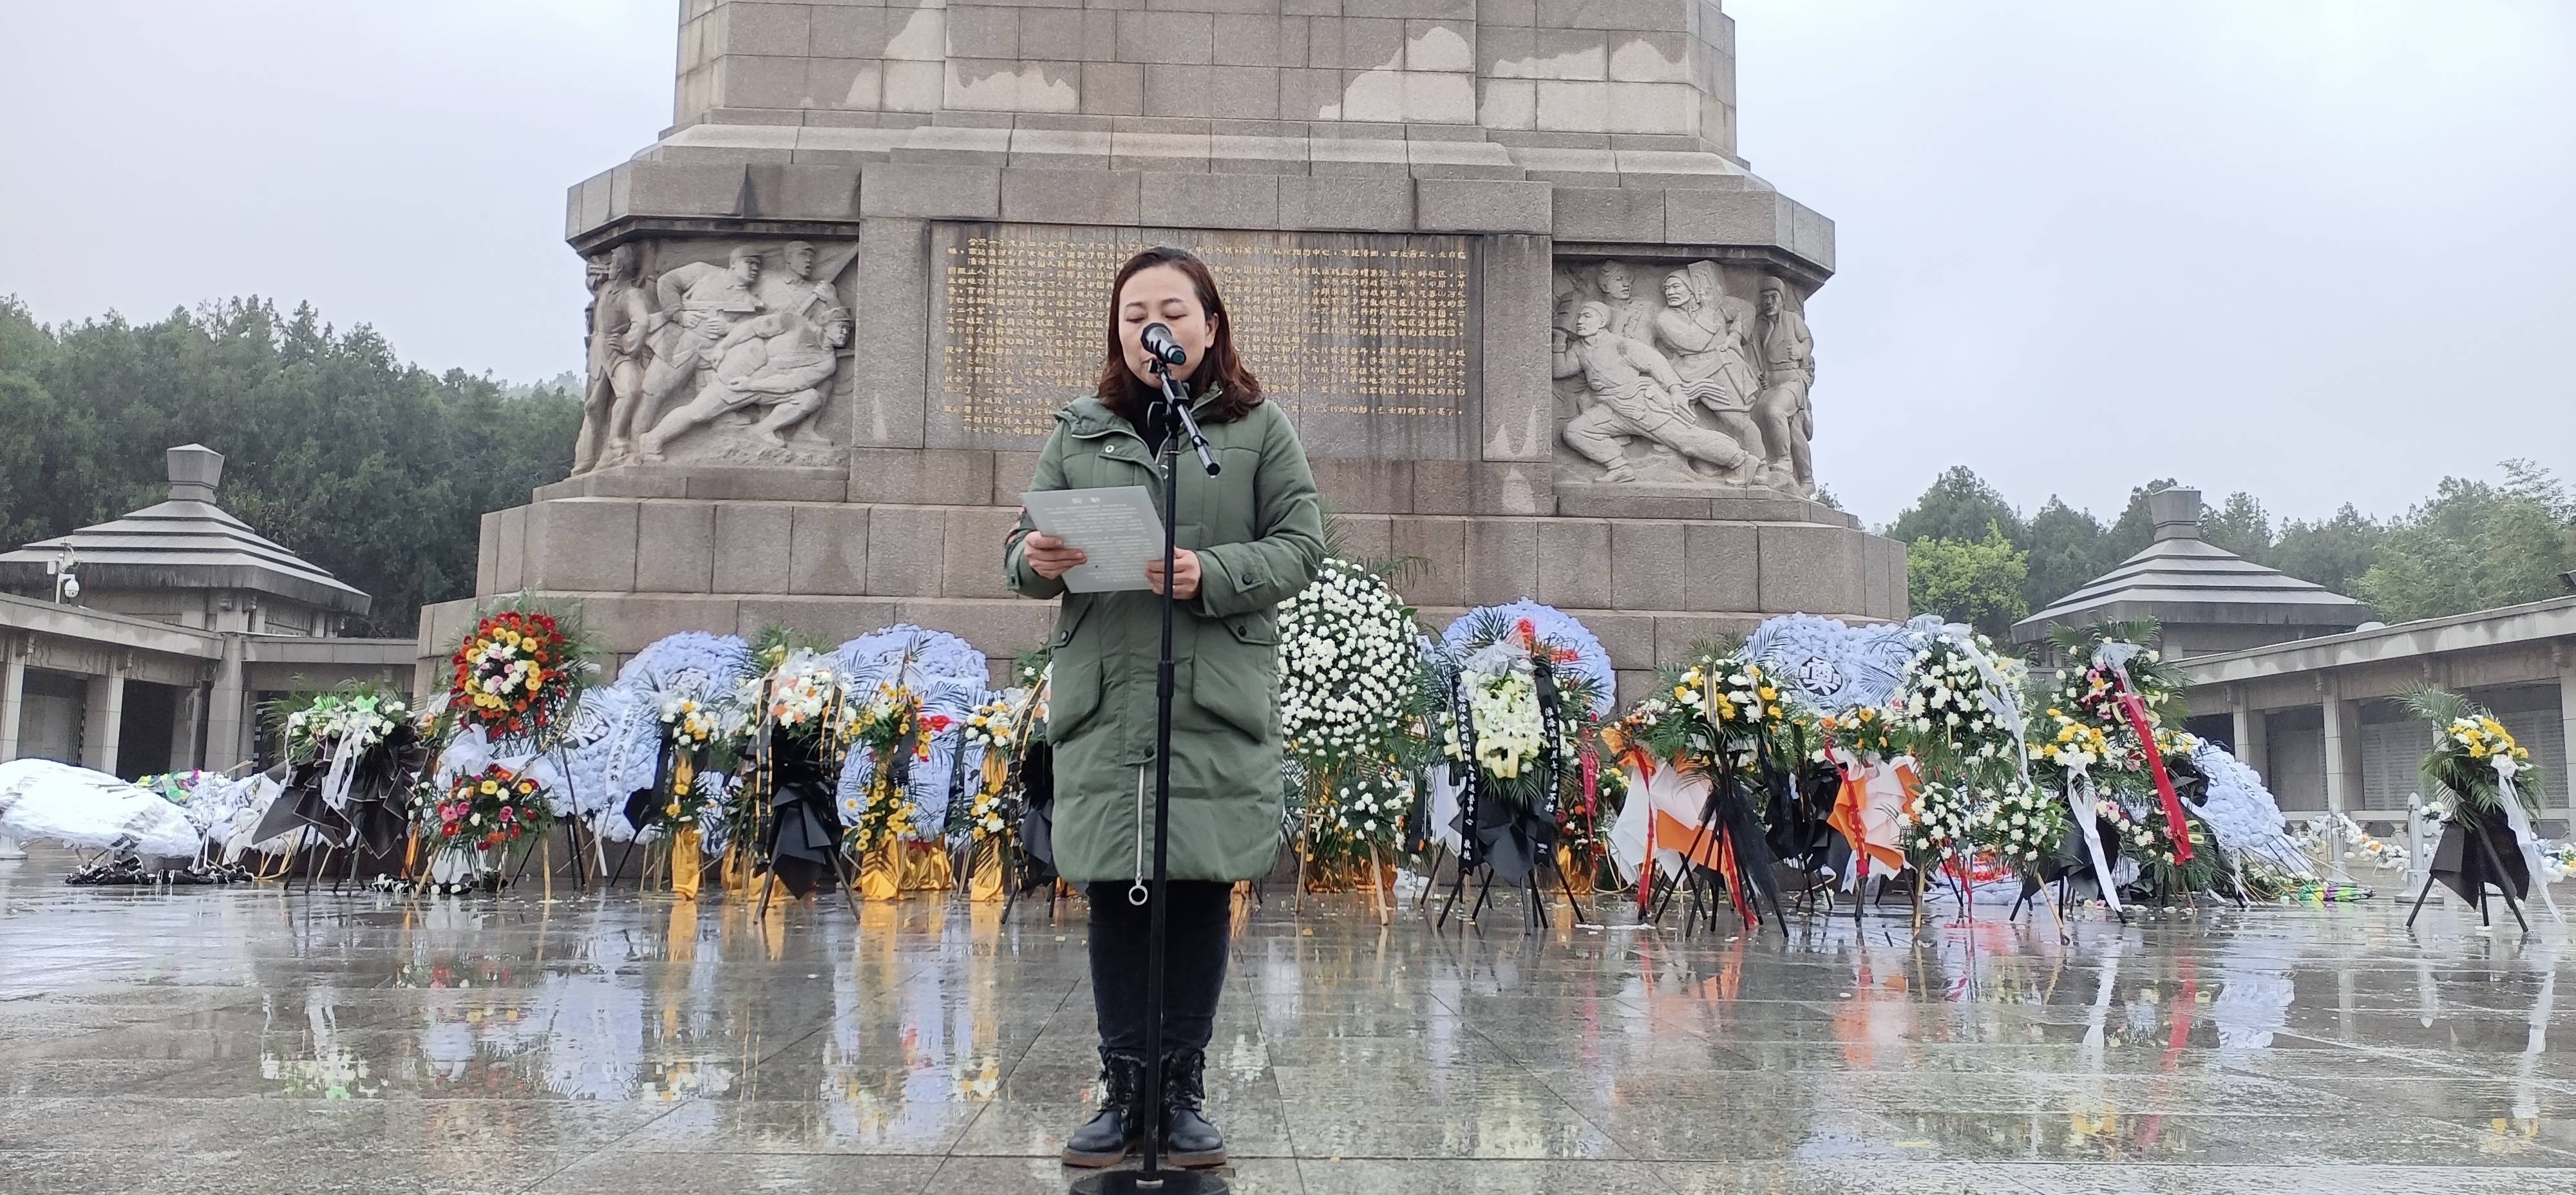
pixel 1635 394
pixel 683 354
pixel 620 316
pixel 697 286
pixel 778 361
pixel 1788 369
pixel 1708 338
pixel 1629 316
pixel 796 288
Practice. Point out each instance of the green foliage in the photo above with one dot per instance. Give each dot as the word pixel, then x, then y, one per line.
pixel 2242 526
pixel 776 641
pixel 2475 546
pixel 2067 549
pixel 1978 582
pixel 1960 506
pixel 2331 552
pixel 374 469
pixel 2156 679
pixel 2130 534
pixel 2453 766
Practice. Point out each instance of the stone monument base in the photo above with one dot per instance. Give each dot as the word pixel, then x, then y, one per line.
pixel 916 536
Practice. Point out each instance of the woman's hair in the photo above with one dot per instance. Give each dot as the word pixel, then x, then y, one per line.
pixel 1122 393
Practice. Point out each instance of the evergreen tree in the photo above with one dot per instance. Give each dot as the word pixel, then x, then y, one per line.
pixel 2475 546
pixel 2065 552
pixel 2332 552
pixel 1959 506
pixel 2242 526
pixel 1977 582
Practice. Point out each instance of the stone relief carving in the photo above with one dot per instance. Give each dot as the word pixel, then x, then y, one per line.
pixel 1702 387
pixel 713 363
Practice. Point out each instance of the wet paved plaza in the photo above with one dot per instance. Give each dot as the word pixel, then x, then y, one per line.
pixel 237 1040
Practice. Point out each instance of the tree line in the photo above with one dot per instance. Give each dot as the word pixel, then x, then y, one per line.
pixel 369 466
pixel 2472 545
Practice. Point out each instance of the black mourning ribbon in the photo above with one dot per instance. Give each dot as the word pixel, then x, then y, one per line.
pixel 639 804
pixel 1467 774
pixel 805 821
pixel 1745 834
pixel 2466 867
pixel 1037 817
pixel 301 806
pixel 1513 838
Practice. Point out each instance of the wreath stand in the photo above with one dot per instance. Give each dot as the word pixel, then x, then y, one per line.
pixel 2472 876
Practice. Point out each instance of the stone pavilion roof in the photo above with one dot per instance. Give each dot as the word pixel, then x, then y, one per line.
pixel 184 542
pixel 2184 579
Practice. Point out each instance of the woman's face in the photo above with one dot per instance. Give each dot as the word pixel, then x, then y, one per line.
pixel 1162 295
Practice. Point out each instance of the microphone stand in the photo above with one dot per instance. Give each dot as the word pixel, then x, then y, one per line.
pixel 1151 1178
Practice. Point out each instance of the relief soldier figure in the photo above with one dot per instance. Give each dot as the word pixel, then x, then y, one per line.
pixel 1707 339
pixel 1635 394
pixel 779 361
pixel 1782 411
pixel 620 315
pixel 1628 316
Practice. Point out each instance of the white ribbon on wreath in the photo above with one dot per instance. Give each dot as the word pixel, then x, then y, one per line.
pixel 2523 836
pixel 343 773
pixel 2081 798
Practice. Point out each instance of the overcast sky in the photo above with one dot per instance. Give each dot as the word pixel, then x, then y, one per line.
pixel 2321 251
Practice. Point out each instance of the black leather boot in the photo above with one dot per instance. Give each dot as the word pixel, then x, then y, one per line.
pixel 1104 1141
pixel 1189 1140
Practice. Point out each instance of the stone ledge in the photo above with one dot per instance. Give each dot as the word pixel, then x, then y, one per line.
pixel 1639 197
pixel 917 550
pixel 780 483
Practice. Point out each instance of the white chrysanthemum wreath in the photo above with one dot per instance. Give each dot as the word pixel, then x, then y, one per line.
pixel 1349 658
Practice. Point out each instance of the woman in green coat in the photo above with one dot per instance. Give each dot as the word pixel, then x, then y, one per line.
pixel 1250 537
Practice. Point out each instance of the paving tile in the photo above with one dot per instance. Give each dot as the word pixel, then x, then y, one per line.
pixel 819 1123
pixel 732 1174
pixel 238 1040
pixel 1379 1176
pixel 241 1171
pixel 1043 1176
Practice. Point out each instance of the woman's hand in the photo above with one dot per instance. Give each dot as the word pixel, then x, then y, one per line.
pixel 1050 557
pixel 1185 575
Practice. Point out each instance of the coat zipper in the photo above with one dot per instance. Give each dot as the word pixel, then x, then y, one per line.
pixel 1138 894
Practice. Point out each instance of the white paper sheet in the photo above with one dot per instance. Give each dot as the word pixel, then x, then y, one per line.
pixel 1115 526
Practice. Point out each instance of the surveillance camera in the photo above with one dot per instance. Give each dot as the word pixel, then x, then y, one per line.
pixel 71 587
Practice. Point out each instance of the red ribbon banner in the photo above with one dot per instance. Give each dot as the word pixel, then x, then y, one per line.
pixel 2181 829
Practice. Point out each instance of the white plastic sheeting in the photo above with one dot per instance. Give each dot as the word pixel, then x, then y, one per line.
pixel 41 799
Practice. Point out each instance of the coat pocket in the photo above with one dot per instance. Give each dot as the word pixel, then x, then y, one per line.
pixel 1074 688
pixel 1236 677
pixel 1073 695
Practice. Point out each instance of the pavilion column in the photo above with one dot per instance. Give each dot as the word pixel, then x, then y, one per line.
pixel 2343 754
pixel 189 712
pixel 13 700
pixel 226 741
pixel 13 696
pixel 2567 728
pixel 103 720
pixel 2253 738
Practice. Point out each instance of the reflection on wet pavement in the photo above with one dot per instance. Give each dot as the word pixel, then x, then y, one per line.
pixel 239 1040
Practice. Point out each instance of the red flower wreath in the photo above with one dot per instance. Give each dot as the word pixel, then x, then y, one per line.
pixel 512 674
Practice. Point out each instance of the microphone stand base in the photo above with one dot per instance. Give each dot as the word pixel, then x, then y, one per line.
pixel 1132 1182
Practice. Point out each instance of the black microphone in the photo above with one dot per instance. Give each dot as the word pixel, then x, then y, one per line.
pixel 1159 343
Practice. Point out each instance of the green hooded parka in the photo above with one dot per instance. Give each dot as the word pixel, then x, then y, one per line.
pixel 1258 529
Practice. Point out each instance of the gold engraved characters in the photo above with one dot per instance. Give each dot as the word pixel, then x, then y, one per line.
pixel 1372 326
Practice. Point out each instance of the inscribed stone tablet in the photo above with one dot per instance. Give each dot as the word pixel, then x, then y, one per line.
pixel 1364 339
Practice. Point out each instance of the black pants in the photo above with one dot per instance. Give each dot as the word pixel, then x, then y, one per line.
pixel 1195 943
